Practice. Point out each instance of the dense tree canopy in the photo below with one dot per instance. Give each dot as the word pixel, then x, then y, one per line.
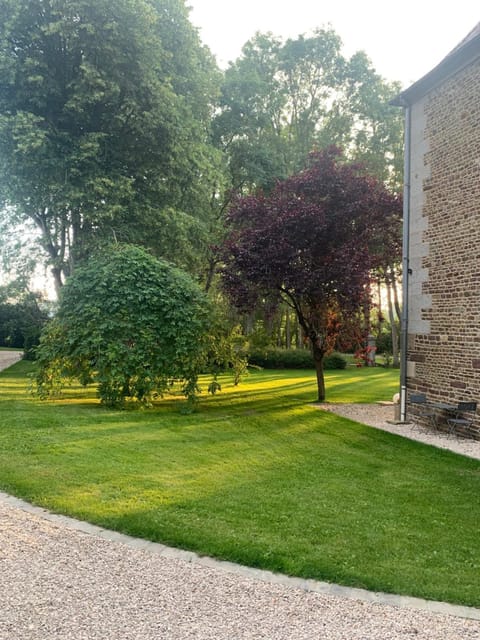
pixel 129 323
pixel 282 100
pixel 115 125
pixel 110 126
pixel 311 243
pixel 104 115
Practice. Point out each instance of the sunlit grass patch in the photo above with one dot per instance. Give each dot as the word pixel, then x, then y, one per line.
pixel 257 475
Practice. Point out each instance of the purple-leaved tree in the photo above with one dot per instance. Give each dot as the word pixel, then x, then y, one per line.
pixel 313 243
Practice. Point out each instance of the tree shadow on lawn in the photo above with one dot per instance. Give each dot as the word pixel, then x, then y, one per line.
pixel 232 399
pixel 365 495
pixel 328 525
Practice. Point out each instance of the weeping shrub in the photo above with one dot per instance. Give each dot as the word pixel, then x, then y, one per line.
pixel 128 323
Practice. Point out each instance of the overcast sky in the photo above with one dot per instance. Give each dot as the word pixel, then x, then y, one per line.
pixel 404 40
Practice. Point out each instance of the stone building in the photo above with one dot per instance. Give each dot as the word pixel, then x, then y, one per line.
pixel 441 324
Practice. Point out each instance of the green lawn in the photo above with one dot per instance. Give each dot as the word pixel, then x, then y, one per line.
pixel 257 476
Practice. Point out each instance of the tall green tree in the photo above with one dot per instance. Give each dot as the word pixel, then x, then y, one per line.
pixel 282 100
pixel 375 136
pixel 104 113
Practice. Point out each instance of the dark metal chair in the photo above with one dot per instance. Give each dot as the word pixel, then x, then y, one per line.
pixel 423 412
pixel 463 417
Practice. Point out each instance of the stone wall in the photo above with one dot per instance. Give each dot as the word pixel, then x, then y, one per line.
pixel 444 287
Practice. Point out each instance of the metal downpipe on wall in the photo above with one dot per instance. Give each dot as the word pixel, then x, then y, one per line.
pixel 405 266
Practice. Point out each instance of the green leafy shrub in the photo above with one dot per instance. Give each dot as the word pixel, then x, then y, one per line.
pixel 293 359
pixel 130 324
pixel 334 361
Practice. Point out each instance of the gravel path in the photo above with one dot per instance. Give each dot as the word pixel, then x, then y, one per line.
pixel 7 358
pixel 58 583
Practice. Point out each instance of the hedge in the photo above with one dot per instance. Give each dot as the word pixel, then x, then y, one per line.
pixel 293 359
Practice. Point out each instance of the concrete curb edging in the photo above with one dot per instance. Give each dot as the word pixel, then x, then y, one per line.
pixel 324 588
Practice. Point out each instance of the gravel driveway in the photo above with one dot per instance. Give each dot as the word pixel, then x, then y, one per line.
pixel 60 582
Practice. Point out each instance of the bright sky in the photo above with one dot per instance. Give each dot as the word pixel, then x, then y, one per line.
pixel 404 40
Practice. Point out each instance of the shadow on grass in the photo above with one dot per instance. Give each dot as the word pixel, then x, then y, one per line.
pixel 260 477
pixel 341 514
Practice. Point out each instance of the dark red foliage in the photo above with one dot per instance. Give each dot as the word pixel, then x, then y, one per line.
pixel 316 237
pixel 313 242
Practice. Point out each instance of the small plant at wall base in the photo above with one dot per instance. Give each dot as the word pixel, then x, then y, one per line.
pixel 128 323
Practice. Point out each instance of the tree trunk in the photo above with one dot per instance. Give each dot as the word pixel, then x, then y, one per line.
pixel 318 360
pixel 318 354
pixel 396 301
pixel 380 308
pixel 317 344
pixel 300 344
pixel 393 326
pixel 288 334
pixel 57 280
pixel 212 267
pixel 249 324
